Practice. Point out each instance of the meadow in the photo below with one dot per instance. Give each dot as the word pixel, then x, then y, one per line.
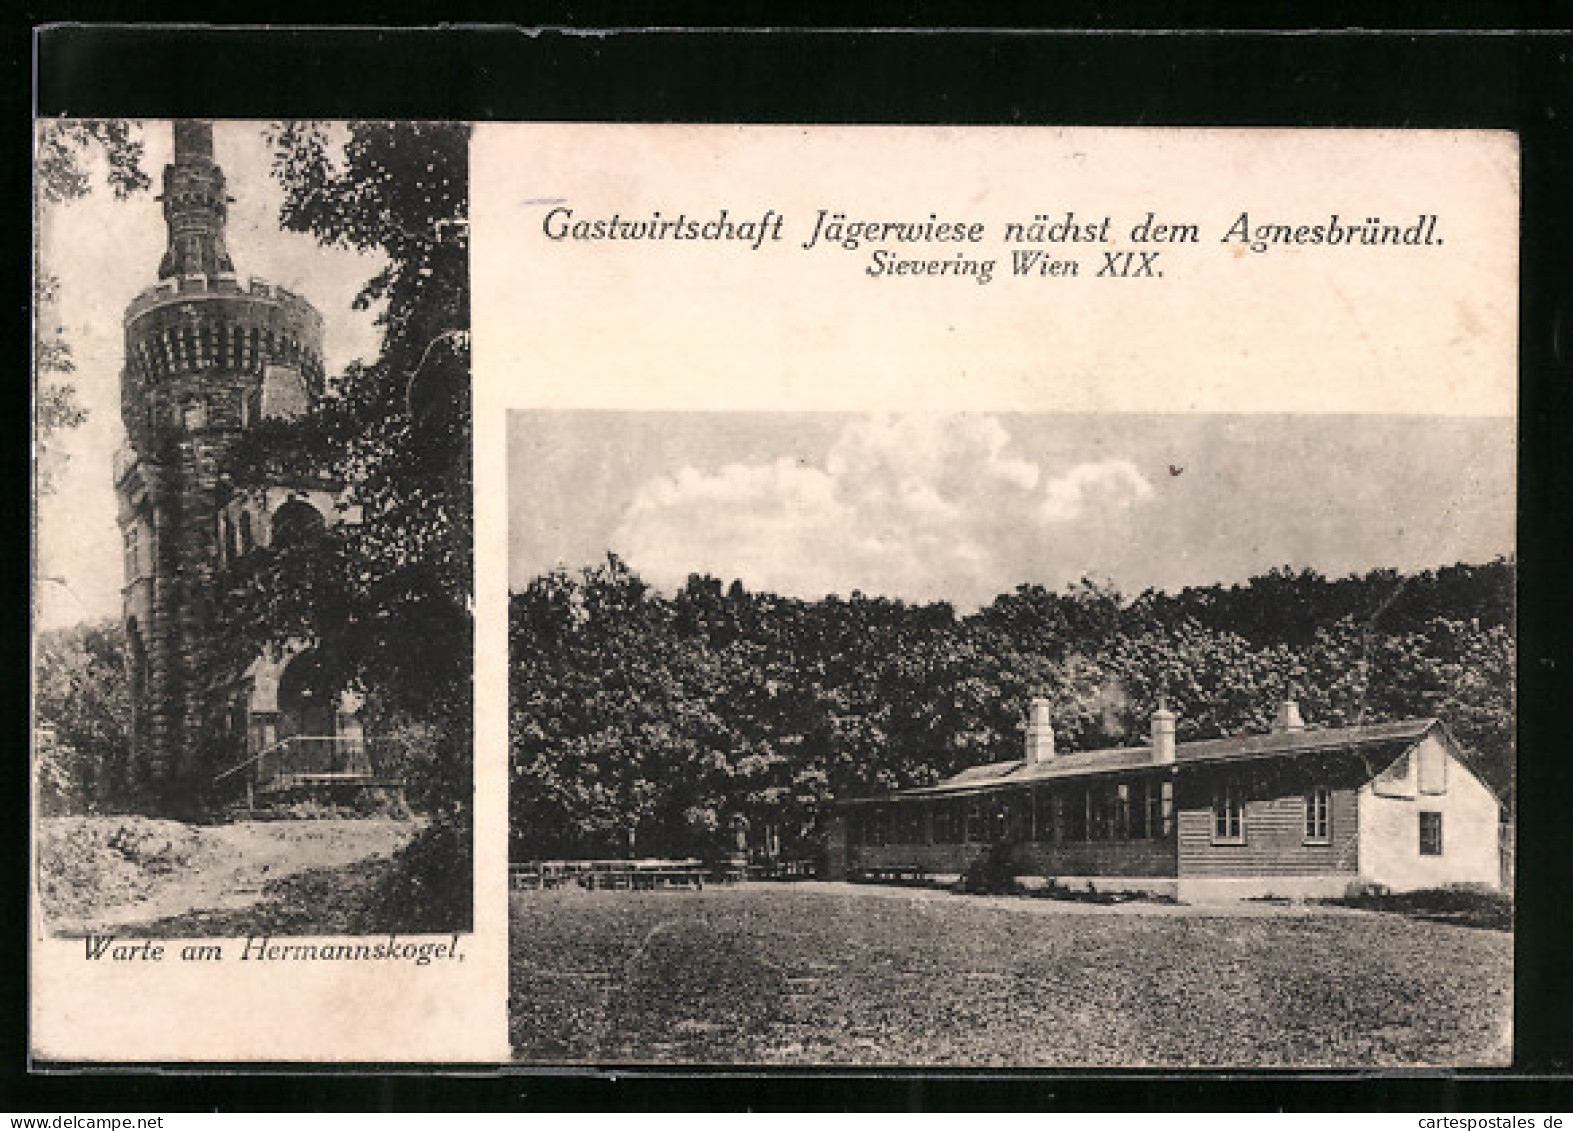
pixel 834 974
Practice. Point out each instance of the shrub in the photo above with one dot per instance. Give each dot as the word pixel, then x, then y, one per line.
pixel 993 873
pixel 83 707
pixel 429 887
pixel 1461 904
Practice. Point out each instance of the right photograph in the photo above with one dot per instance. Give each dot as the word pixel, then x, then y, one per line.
pixel 1011 739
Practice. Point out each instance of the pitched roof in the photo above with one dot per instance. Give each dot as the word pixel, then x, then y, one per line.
pixel 1399 735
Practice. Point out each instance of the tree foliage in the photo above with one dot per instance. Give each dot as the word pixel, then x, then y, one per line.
pixel 66 153
pixel 82 705
pixel 67 149
pixel 647 722
pixel 387 594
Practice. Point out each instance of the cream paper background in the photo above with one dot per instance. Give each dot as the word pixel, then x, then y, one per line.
pixel 688 325
pixel 716 327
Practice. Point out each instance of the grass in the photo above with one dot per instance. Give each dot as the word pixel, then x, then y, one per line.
pixel 837 974
pixel 1462 906
pixel 320 901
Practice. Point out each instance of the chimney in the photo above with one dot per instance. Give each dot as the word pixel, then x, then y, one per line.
pixel 1288 717
pixel 1163 735
pixel 1040 733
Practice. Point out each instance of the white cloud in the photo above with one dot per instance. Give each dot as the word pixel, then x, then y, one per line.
pixel 1105 484
pixel 922 507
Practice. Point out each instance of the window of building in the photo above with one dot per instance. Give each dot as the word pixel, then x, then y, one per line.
pixel 1430 834
pixel 1045 822
pixel 975 832
pixel 1228 816
pixel 1002 825
pixel 1074 811
pixel 908 826
pixel 1318 817
pixel 1140 809
pixel 132 543
pixel 1100 811
pixel 1432 769
pixel 947 825
pixel 1160 808
pixel 1122 824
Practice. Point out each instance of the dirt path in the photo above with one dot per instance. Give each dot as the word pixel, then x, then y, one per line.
pixel 115 873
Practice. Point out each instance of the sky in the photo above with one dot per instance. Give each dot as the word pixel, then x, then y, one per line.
pixel 103 252
pixel 963 506
pixel 785 417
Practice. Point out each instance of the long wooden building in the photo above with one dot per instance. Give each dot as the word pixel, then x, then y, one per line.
pixel 1297 812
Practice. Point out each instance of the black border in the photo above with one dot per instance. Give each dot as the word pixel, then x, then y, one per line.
pixel 901 74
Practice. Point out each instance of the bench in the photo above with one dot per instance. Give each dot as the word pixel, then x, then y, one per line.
pixel 613 875
pixel 892 873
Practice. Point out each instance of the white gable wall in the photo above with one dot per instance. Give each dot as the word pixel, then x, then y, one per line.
pixel 1390 806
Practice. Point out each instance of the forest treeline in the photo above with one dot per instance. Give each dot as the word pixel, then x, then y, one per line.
pixel 646 723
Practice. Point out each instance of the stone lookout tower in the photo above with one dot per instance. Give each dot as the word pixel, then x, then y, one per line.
pixel 207 356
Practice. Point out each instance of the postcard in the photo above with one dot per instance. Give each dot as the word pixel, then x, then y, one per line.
pixel 602 596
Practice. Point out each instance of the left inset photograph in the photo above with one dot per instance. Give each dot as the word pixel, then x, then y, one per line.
pixel 252 630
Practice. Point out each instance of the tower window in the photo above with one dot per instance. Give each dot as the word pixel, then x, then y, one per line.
pixel 131 541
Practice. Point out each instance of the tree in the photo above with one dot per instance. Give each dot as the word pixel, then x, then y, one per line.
pixel 67 148
pixel 645 720
pixel 83 706
pixel 388 596
pixel 65 155
pixel 55 404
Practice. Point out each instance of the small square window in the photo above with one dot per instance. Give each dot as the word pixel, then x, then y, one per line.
pixel 1430 834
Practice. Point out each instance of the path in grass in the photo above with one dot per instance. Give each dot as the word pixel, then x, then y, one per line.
pixel 835 974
